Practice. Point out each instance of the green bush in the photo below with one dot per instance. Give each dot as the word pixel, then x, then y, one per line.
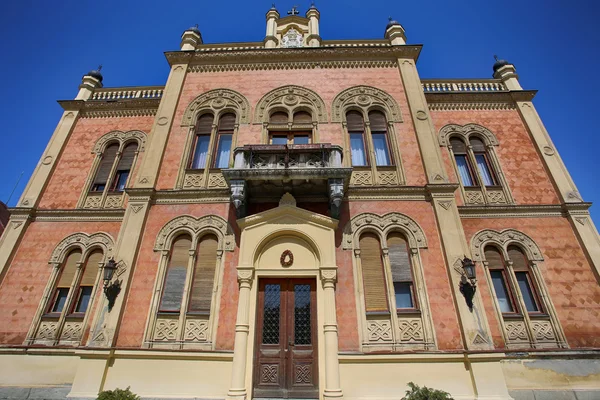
pixel 425 393
pixel 118 394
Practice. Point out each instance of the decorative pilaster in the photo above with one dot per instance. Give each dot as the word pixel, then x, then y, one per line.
pixel 11 237
pixel 237 388
pixel 270 38
pixel 313 15
pixel 330 331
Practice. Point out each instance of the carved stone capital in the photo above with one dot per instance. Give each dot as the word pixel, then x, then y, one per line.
pixel 245 276
pixel 328 275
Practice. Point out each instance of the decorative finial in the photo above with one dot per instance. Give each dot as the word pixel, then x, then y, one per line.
pixel 293 11
pixel 390 19
pixel 99 67
pixel 495 57
pixel 272 6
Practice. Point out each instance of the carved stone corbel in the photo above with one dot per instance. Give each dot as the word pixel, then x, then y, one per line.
pixel 238 196
pixel 336 196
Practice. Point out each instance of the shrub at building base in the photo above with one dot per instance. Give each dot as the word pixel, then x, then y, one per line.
pixel 424 393
pixel 118 394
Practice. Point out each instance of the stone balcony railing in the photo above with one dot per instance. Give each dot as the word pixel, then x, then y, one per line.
pixel 462 85
pixel 269 171
pixel 128 93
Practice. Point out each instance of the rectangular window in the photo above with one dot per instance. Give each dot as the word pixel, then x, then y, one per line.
pixel 484 170
pixel 60 300
pixel 357 146
pixel 301 139
pixel 404 295
pixel 85 293
pixel 223 151
pixel 382 155
pixel 501 292
pixel 463 170
pixel 527 292
pixel 201 152
pixel 279 139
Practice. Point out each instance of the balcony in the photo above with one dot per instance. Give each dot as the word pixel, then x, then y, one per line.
pixel 310 172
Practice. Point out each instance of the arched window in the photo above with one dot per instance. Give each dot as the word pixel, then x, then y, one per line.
pixel 465 169
pixel 204 274
pixel 298 133
pixel 483 163
pixel 373 273
pixel 172 293
pixel 224 140
pixel 103 173
pixel 524 279
pixel 500 280
pixel 356 131
pixel 203 131
pixel 67 275
pixel 302 117
pixel 123 171
pixel 378 126
pixel 279 117
pixel 402 275
pixel 86 284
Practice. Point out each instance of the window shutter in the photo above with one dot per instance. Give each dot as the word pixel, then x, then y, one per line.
pixel 377 121
pixel 204 124
pixel 399 258
pixel 355 123
pixel 91 269
pixel 127 157
pixel 176 273
pixel 108 159
pixel 69 269
pixel 494 258
pixel 372 269
pixel 227 122
pixel 302 117
pixel 518 259
pixel 477 144
pixel 279 118
pixel 204 274
pixel 458 146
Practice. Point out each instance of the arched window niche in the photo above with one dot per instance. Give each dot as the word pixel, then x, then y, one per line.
pixel 390 289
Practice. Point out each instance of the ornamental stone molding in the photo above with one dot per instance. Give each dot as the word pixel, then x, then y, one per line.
pixel 504 239
pixel 274 66
pixel 291 98
pixel 365 98
pixel 195 227
pixel 466 131
pixel 121 138
pixel 218 101
pixel 383 225
pixel 85 243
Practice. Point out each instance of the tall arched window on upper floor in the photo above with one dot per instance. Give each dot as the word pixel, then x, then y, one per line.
pixel 172 292
pixel 356 131
pixel 224 140
pixel 486 173
pixel 373 273
pixel 463 163
pixel 202 132
pixel 379 135
pixel 524 279
pixel 500 281
pixel 121 175
pixel 105 168
pixel 402 274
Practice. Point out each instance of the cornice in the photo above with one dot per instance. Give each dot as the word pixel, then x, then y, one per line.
pixel 403 193
pixel 192 196
pixel 295 55
pixel 78 215
pixel 441 190
pixel 512 211
pixel 113 108
pixel 500 100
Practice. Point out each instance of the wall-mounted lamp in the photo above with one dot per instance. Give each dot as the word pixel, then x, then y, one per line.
pixel 111 290
pixel 468 281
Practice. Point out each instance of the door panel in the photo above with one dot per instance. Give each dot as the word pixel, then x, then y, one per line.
pixel 286 348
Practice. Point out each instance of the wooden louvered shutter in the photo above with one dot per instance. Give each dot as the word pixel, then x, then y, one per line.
pixel 279 118
pixel 399 258
pixel 127 157
pixel 108 159
pixel 494 258
pixel 227 122
pixel 91 269
pixel 458 146
pixel 518 259
pixel 355 122
pixel 477 144
pixel 204 124
pixel 68 272
pixel 302 117
pixel 176 273
pixel 204 274
pixel 373 277
pixel 377 121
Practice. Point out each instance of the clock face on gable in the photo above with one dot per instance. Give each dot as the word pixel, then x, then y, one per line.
pixel 292 38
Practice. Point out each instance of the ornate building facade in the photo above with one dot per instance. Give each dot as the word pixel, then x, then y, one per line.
pixel 301 218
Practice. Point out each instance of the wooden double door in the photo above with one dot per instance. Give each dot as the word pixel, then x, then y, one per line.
pixel 285 359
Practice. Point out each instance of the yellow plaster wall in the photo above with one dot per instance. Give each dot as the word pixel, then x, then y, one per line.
pixel 37 370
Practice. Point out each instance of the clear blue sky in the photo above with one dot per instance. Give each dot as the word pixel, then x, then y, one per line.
pixel 48 45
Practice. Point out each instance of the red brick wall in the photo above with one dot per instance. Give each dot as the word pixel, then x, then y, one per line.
pixel 75 163
pixel 325 82
pixel 568 275
pixel 521 164
pixel 24 283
